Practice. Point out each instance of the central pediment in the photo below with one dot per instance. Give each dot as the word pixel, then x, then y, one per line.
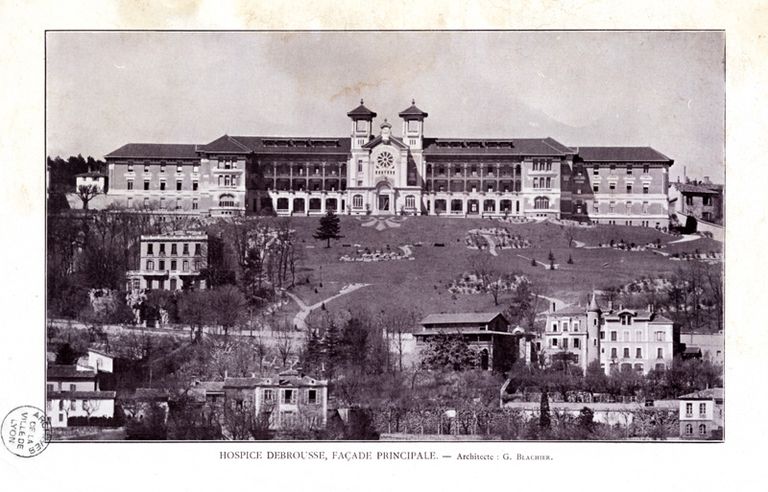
pixel 394 141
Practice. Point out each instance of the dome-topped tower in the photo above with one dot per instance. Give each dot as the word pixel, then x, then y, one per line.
pixel 413 125
pixel 362 121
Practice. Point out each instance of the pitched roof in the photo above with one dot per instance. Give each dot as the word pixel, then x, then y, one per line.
pixel 621 154
pixel 570 310
pixel 154 150
pixel 91 174
pixel 460 318
pixel 150 394
pixel 277 145
pixel 700 189
pixel 361 112
pixel 74 395
pixel 593 305
pixel 376 141
pixel 714 393
pixel 412 112
pixel 224 143
pixel 56 371
pixel 496 146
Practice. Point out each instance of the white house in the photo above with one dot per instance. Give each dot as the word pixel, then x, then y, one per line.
pixel 73 391
pixel 91 178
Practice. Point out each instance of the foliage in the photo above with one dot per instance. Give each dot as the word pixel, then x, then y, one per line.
pixel 448 351
pixel 328 229
pixel 152 427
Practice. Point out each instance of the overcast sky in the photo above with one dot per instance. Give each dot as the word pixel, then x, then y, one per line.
pixel 666 90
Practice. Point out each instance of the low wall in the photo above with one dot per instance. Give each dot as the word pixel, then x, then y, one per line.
pixel 717 231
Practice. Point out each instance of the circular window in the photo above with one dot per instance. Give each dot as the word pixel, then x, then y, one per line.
pixel 385 160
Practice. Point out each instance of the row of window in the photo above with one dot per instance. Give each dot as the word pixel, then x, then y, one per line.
pixel 542 182
pixel 164 187
pixel 357 201
pixel 289 396
pixel 660 336
pixel 638 353
pixel 542 164
pixel 227 180
pixel 566 326
pixel 612 187
pixel 85 405
pixel 612 207
pixel 505 187
pixel 702 410
pixel 473 170
pixel 179 168
pixel 178 204
pixel 50 387
pixel 174 265
pixel 705 200
pixel 315 204
pixel 689 429
pixel 174 248
pixel 302 171
pixel 612 168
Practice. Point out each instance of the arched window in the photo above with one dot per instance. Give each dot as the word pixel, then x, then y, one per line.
pixel 226 201
pixel 541 202
pixel 702 430
pixel 357 201
pixel 688 429
pixel 150 265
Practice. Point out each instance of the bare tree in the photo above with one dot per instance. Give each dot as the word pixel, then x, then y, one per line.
pixel 86 193
pixel 284 344
pixel 398 325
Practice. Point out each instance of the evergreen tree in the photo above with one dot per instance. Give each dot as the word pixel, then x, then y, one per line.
pixel 545 419
pixel 313 353
pixel 332 347
pixel 329 228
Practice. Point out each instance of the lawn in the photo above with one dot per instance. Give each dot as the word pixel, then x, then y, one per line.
pixel 421 285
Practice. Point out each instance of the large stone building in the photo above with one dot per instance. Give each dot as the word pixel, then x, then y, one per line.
pixel 170 262
pixel 384 173
pixel 620 339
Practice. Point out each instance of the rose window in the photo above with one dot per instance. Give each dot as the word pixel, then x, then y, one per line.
pixel 385 160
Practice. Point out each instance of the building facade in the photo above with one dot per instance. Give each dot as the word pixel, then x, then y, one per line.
pixel 285 401
pixel 73 392
pixel 486 333
pixel 623 339
pixel 702 200
pixel 170 262
pixel 387 174
pixel 701 415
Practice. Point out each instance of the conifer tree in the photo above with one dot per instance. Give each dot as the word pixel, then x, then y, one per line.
pixel 545 419
pixel 329 228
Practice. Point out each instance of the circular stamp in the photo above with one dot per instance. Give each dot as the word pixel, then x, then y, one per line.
pixel 25 431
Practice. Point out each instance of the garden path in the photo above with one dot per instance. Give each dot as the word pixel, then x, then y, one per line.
pixel 299 321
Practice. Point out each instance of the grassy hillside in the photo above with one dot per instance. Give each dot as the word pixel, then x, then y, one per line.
pixel 420 285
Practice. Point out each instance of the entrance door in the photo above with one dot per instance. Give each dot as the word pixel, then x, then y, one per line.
pixel 383 203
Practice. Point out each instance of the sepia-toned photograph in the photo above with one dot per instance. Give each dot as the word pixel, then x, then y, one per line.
pixel 384 235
